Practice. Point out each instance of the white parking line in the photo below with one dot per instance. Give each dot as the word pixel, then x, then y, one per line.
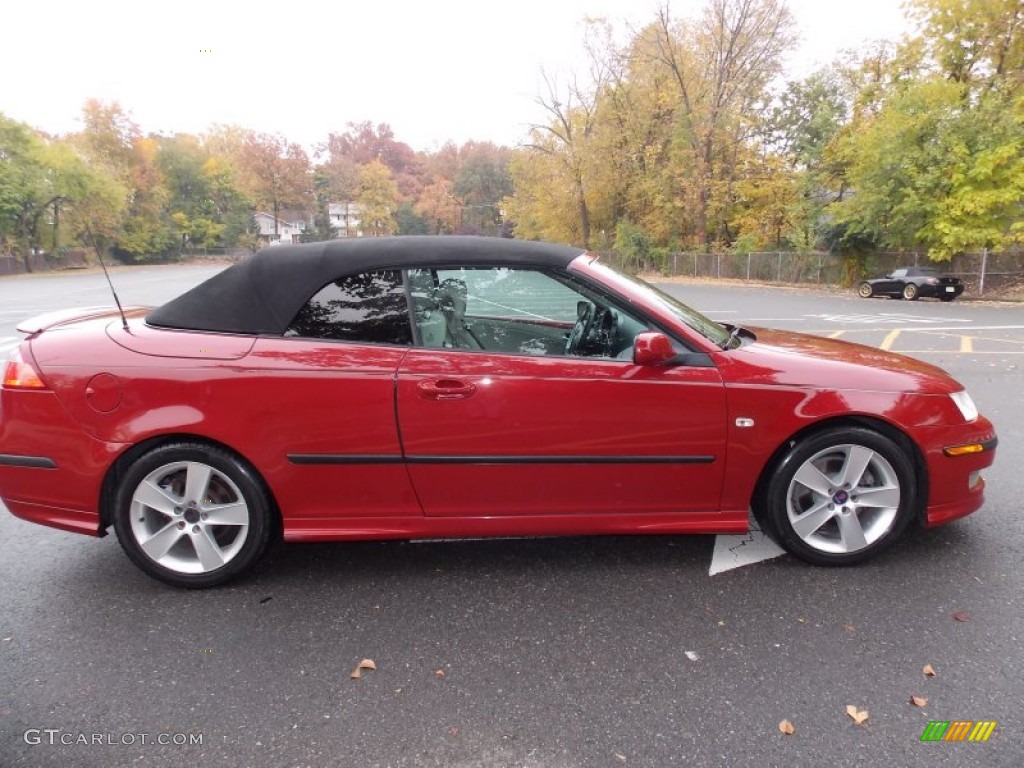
pixel 886 317
pixel 931 329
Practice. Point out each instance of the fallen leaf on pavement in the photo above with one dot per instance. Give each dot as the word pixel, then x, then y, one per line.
pixel 787 728
pixel 439 672
pixel 929 670
pixel 919 701
pixel 364 664
pixel 849 627
pixel 859 716
pixel 961 616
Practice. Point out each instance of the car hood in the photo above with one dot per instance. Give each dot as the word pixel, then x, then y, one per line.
pixel 797 359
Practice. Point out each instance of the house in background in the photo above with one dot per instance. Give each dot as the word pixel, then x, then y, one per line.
pixel 290 226
pixel 344 219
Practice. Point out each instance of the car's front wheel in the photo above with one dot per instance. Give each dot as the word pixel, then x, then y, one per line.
pixel 865 290
pixel 192 515
pixel 910 292
pixel 840 496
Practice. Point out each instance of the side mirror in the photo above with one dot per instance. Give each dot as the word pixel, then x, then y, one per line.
pixel 652 349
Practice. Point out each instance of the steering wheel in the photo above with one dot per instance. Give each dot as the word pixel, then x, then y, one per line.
pixel 580 331
pixel 604 331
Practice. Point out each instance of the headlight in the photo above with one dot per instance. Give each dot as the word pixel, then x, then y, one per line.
pixel 967 407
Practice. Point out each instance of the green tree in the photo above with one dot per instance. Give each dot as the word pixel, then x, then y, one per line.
pixel 481 183
pixel 48 194
pixel 933 157
pixel 24 194
pixel 408 222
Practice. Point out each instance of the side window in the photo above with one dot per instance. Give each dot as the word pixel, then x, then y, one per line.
pixel 369 307
pixel 517 311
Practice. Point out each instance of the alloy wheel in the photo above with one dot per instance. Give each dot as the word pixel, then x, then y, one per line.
pixel 189 517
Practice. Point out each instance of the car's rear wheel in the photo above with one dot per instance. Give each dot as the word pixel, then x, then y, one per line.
pixel 192 515
pixel 910 292
pixel 865 290
pixel 840 496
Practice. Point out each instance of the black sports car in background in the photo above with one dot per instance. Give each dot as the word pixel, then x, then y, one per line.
pixel 911 283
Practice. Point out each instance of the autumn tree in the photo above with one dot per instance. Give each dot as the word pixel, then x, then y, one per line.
pixel 377 200
pixel 558 150
pixel 976 43
pixel 113 144
pixel 438 206
pixel 363 143
pixel 275 173
pixel 721 65
pixel 655 133
pixel 766 210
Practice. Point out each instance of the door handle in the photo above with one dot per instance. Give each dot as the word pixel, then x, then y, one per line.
pixel 445 389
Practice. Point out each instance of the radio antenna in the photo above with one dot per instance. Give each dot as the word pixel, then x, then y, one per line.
pixel 99 255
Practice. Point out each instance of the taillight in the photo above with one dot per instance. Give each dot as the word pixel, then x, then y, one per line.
pixel 20 374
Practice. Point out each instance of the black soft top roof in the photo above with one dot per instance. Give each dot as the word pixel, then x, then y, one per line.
pixel 264 293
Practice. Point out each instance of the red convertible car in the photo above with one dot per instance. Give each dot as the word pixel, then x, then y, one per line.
pixel 419 387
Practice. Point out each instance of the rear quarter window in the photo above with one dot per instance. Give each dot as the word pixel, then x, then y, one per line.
pixel 370 308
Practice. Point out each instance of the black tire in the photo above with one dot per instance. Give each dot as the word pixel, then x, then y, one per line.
pixel 865 291
pixel 911 292
pixel 210 539
pixel 829 522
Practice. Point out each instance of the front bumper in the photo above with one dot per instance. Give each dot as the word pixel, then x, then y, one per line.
pixel 956 486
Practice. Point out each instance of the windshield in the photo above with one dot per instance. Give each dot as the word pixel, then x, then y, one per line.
pixel 706 327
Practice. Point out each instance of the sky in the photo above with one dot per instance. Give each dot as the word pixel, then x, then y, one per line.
pixel 435 71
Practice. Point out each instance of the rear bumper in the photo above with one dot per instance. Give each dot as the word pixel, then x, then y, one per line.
pixel 938 291
pixel 51 471
pixel 72 520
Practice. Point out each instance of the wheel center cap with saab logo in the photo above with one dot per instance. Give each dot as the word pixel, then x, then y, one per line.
pixel 841 497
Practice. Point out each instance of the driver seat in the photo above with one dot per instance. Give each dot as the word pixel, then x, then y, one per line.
pixel 452 297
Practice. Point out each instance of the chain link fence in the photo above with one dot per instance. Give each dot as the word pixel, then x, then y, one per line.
pixel 982 273
pixel 82 258
pixel 40 262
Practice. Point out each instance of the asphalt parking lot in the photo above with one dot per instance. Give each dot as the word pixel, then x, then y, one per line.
pixel 551 653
